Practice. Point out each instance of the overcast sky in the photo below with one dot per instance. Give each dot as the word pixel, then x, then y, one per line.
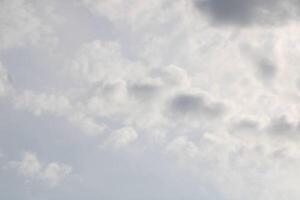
pixel 149 99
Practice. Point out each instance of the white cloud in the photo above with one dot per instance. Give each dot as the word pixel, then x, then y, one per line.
pixel 54 173
pixel 42 103
pixel 57 105
pixel 86 124
pixel 31 167
pixel 5 86
pixel 122 137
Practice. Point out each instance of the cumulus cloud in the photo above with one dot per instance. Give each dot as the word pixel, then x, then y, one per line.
pixel 31 167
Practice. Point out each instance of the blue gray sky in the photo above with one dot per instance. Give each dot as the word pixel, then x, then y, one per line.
pixel 149 100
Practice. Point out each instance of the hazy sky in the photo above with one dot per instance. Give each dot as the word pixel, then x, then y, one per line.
pixel 149 99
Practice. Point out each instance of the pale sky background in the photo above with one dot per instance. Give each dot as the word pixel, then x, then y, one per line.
pixel 149 99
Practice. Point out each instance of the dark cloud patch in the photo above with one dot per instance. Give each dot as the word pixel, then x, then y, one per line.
pixel 195 105
pixel 146 89
pixel 281 126
pixel 266 69
pixel 245 125
pixel 248 12
pixel 264 66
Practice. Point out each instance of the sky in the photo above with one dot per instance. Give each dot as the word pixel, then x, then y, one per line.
pixel 149 100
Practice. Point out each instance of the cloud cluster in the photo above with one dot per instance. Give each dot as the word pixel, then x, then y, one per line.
pixel 216 91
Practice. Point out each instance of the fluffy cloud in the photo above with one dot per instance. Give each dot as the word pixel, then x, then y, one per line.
pixel 31 167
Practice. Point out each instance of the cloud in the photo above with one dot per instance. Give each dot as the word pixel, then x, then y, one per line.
pixel 282 127
pixel 86 124
pixel 173 76
pixel 156 76
pixel 40 103
pixel 146 89
pixel 20 25
pixel 249 12
pixel 5 85
pixel 182 148
pixel 195 105
pixel 31 167
pixel 245 125
pixel 121 138
pixel 266 70
pixel 58 105
pixel 100 60
pixel 134 14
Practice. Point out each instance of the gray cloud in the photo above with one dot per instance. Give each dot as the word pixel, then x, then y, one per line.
pixel 195 105
pixel 146 89
pixel 245 125
pixel 266 69
pixel 281 126
pixel 265 66
pixel 248 12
